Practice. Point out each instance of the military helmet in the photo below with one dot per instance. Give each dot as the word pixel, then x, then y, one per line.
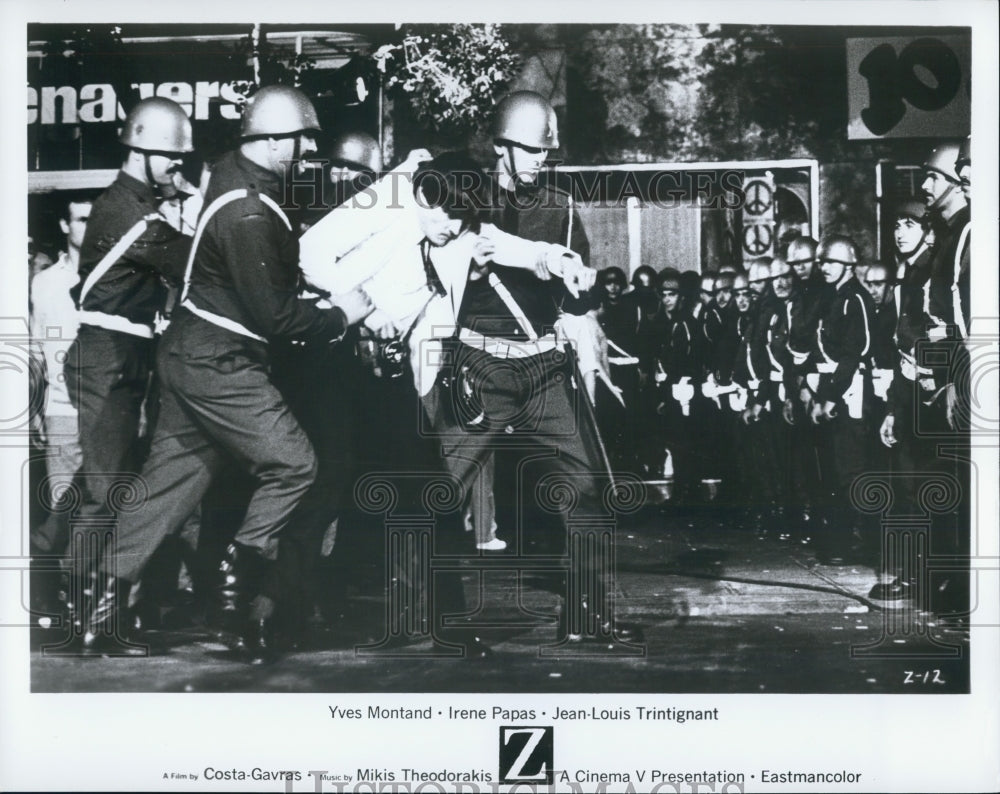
pixel 964 154
pixel 527 119
pixel 357 150
pixel 157 124
pixel 780 267
pixel 915 210
pixel 942 160
pixel 277 110
pixel 837 248
pixel 801 249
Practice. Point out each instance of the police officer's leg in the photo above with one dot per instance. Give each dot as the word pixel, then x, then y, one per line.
pixel 253 423
pixel 850 460
pixel 579 492
pixel 177 474
pixel 107 373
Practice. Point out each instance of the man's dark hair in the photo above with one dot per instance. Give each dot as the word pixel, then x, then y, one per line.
pixel 75 197
pixel 455 183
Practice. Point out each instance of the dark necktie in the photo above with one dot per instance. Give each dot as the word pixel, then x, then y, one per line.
pixel 432 277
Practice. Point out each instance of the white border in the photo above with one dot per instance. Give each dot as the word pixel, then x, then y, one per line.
pixel 120 742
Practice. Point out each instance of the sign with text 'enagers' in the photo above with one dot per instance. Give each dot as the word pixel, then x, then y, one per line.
pixel 909 87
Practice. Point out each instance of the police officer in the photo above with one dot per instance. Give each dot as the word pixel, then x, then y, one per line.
pixel 508 353
pixel 676 370
pixel 806 305
pixel 843 336
pixel 129 253
pixel 949 216
pixel 947 298
pixel 620 322
pixel 770 346
pixel 884 359
pixel 720 338
pixel 756 484
pixel 241 291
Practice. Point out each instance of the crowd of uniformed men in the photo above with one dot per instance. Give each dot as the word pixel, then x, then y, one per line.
pixel 424 335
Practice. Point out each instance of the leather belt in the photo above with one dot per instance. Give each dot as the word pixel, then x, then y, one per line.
pixel 507 348
pixel 115 322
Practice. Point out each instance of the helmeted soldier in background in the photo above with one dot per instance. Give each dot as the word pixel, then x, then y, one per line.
pixel 844 335
pixel 130 253
pixel 933 400
pixel 768 357
pixel 675 370
pixel 620 322
pixel 719 340
pixel 759 275
pixel 240 291
pixel 807 304
pixel 884 359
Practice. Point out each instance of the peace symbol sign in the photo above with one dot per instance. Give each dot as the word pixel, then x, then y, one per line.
pixel 757 239
pixel 758 198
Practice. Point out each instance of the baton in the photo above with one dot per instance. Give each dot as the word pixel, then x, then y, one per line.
pixel 591 416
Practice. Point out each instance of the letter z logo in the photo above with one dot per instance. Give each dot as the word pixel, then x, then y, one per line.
pixel 526 755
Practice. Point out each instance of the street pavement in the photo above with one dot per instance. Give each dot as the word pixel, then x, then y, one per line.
pixel 722 609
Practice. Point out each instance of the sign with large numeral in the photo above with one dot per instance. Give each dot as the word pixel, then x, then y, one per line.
pixel 758 216
pixel 913 87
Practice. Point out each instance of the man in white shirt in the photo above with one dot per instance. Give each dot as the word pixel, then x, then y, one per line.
pixel 408 241
pixel 54 325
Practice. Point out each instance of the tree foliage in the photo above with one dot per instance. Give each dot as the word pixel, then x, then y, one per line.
pixel 451 75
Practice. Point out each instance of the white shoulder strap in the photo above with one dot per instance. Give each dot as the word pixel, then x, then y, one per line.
pixel 512 306
pixel 956 297
pixel 206 216
pixel 116 253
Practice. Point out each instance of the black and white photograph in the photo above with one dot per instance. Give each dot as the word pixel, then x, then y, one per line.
pixel 539 398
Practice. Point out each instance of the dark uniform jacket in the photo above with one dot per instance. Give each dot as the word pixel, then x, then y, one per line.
pixel 744 368
pixel 809 302
pixel 540 214
pixel 912 321
pixel 246 266
pixel 883 352
pixel 844 336
pixel 678 349
pixel 721 338
pixel 769 344
pixel 134 286
pixel 947 235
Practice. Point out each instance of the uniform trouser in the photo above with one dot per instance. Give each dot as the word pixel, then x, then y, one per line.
pixel 802 476
pixel 713 454
pixel 529 404
pixel 844 447
pixel 217 399
pixel 934 488
pixel 107 374
pixel 759 463
pixel 680 434
pixel 62 461
pixel 526 402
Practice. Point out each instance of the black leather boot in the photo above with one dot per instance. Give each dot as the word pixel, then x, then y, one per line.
pixel 243 616
pixel 105 624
